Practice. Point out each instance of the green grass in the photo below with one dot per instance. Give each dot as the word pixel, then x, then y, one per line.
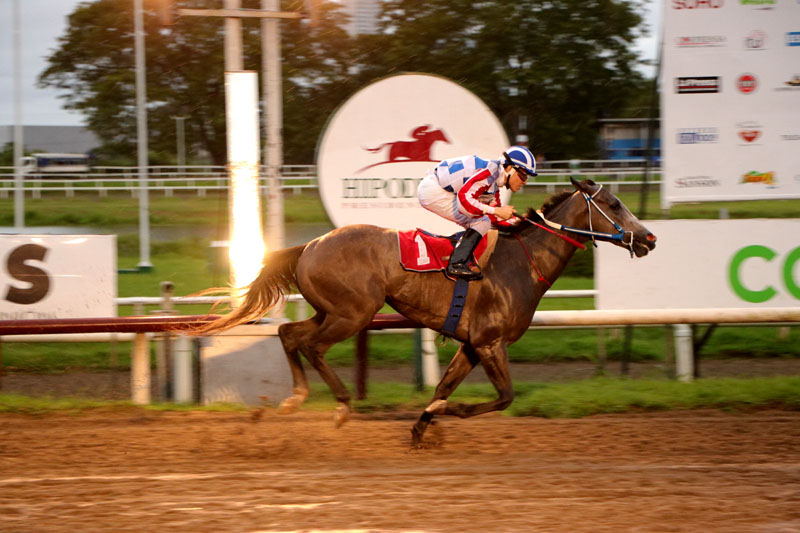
pixel 603 396
pixel 552 400
pixel 121 209
pixel 591 396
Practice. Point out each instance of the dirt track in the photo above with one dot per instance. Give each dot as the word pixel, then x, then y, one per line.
pixel 135 470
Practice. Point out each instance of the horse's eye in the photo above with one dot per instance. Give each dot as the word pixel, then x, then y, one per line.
pixel 615 206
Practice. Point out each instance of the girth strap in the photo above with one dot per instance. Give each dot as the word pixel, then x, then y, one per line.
pixel 456 307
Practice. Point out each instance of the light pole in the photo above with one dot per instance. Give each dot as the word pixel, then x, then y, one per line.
pixel 19 183
pixel 141 139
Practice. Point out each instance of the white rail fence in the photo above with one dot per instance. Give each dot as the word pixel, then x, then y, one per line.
pixel 680 348
pixel 202 179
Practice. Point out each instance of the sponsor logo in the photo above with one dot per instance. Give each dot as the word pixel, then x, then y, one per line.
pixel 697 84
pixel 749 133
pixel 697 4
pixel 700 41
pixel 747 83
pixel 767 178
pixel 759 4
pixel 790 137
pixel 792 84
pixel 696 181
pixel 793 38
pixel 756 40
pixel 697 135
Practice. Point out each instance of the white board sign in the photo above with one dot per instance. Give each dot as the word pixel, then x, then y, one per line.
pixel 57 276
pixel 702 264
pixel 381 142
pixel 730 100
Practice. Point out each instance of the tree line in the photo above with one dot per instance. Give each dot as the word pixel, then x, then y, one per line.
pixel 549 69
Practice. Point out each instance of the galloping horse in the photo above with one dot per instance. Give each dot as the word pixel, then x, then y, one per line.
pixel 348 274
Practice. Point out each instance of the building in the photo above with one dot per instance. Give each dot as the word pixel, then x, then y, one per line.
pixel 364 15
pixel 54 139
pixel 626 138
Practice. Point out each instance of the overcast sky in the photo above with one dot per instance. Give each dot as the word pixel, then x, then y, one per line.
pixel 43 21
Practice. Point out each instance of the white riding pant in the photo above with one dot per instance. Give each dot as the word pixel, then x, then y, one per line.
pixel 445 204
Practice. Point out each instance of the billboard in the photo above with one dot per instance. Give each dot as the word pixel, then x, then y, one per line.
pixel 705 264
pixel 57 276
pixel 379 145
pixel 730 100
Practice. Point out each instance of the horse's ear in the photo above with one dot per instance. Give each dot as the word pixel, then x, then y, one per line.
pixel 586 186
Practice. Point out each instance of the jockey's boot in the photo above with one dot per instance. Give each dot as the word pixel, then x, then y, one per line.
pixel 459 265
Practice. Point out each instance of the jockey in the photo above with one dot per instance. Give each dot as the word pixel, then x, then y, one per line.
pixel 454 189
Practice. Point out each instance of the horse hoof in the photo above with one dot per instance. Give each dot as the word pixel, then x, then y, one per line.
pixel 341 415
pixel 437 407
pixel 416 438
pixel 289 405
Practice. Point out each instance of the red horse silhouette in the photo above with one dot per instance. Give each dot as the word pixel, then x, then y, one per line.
pixel 416 150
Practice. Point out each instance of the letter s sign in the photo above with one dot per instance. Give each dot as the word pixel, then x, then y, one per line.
pixel 37 279
pixel 768 254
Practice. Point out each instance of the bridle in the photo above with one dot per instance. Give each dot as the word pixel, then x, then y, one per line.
pixel 619 236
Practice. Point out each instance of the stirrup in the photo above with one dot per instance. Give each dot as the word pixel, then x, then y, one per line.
pixel 462 271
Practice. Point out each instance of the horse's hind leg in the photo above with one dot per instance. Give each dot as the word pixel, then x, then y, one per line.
pixel 291 334
pixel 316 341
pixel 462 364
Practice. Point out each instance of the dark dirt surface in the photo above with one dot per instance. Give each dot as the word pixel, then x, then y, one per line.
pixel 116 385
pixel 129 469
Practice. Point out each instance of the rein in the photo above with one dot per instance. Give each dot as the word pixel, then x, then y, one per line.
pixel 620 236
pixel 530 257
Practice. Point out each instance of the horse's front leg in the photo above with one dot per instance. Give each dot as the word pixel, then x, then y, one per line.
pixel 460 366
pixel 494 359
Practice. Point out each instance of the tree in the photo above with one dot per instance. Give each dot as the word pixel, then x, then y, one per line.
pixel 94 64
pixel 562 64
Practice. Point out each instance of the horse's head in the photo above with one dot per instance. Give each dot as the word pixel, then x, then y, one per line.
pixel 606 218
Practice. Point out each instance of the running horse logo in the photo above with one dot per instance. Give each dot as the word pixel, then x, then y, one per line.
pixel 407 151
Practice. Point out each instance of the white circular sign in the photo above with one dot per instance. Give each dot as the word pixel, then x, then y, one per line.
pixel 381 142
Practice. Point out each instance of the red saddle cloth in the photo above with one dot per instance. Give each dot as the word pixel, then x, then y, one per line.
pixel 421 251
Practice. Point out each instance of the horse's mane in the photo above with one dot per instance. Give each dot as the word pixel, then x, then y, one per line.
pixel 551 203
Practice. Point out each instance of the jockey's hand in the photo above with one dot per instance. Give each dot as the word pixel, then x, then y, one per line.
pixel 505 212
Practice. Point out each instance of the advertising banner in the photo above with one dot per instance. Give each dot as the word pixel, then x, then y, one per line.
pixel 57 276
pixel 705 264
pixel 730 100
pixel 381 142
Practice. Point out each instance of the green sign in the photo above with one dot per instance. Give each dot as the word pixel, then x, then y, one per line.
pixel 762 294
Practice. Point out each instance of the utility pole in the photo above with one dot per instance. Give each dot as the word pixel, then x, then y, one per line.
pixel 273 109
pixel 232 13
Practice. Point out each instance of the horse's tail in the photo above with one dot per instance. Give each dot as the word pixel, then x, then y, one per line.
pixel 276 278
pixel 378 149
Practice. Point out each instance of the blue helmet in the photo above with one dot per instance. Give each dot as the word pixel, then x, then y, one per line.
pixel 521 159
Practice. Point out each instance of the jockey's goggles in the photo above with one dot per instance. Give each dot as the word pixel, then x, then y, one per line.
pixel 522 172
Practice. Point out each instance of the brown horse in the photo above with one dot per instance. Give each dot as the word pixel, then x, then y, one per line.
pixel 348 274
